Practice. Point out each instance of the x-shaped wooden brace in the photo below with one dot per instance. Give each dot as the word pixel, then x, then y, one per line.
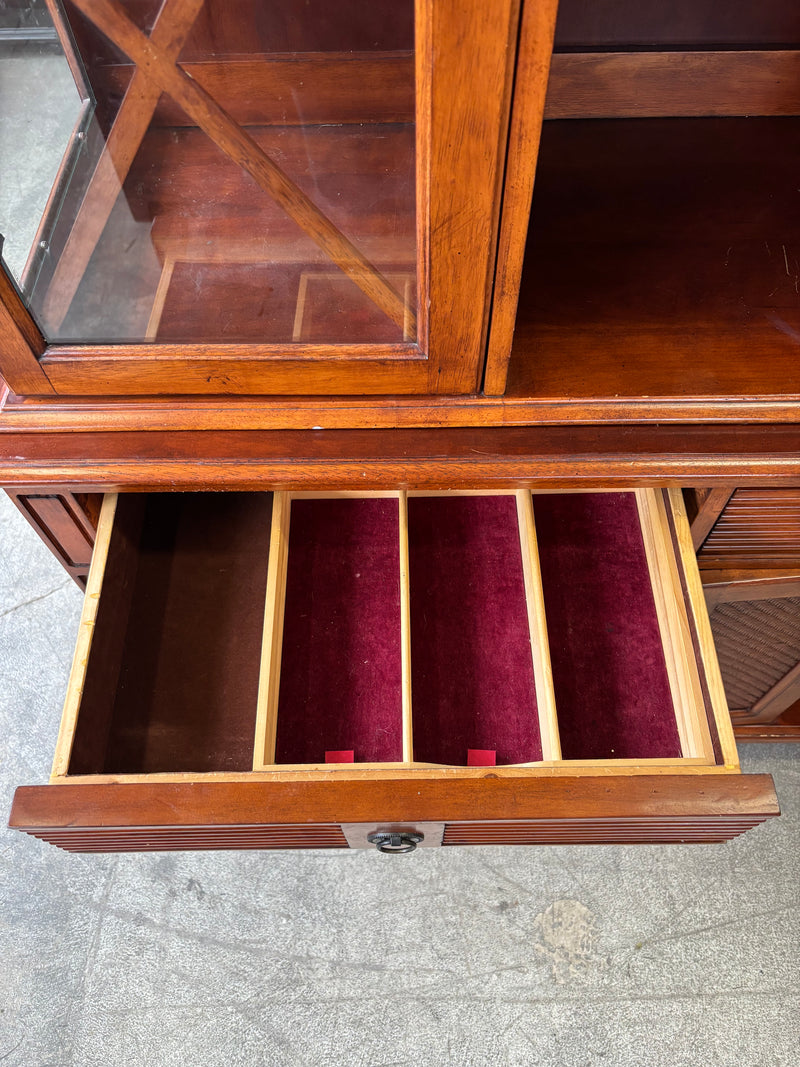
pixel 157 71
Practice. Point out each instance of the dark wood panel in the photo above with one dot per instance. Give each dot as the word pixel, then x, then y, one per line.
pixel 200 839
pixel 665 84
pixel 687 23
pixel 184 640
pixel 661 261
pixel 625 832
pixel 66 523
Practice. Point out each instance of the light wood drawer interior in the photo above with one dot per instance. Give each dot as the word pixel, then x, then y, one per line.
pixel 259 635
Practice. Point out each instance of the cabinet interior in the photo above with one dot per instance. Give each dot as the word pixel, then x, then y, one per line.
pixel 662 255
pixel 293 632
pixel 157 205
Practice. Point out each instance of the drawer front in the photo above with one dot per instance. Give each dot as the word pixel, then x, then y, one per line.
pixel 123 817
pixel 308 670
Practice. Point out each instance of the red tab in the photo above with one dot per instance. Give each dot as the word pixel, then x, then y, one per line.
pixel 481 757
pixel 345 755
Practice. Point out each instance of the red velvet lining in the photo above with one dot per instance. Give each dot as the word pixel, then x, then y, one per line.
pixel 472 672
pixel 340 682
pixel 612 692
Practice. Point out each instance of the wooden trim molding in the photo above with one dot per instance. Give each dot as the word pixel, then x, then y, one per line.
pixel 216 412
pixel 667 84
pixel 21 343
pixel 533 67
pixel 499 457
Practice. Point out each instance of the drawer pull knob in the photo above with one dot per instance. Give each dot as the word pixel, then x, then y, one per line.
pixel 386 841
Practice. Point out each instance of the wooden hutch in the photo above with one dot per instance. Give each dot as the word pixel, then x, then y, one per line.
pixel 384 455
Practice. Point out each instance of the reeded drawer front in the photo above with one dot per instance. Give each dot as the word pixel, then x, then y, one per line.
pixel 324 644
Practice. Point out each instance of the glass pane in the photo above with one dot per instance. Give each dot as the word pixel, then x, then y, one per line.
pixel 268 197
pixel 40 109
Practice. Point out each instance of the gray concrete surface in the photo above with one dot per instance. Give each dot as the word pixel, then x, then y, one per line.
pixel 647 955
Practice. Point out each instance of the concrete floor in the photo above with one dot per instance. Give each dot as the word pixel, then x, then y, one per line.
pixel 656 955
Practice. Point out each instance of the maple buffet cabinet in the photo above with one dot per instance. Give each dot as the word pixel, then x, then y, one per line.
pixel 375 447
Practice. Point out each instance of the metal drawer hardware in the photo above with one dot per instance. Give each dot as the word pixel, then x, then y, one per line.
pixel 386 841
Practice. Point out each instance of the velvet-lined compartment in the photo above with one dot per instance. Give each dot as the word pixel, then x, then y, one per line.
pixel 172 678
pixel 471 662
pixel 341 676
pixel 611 685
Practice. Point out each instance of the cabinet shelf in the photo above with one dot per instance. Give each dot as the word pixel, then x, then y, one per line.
pixel 662 261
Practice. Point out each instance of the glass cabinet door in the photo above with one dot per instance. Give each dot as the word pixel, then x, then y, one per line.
pixel 266 196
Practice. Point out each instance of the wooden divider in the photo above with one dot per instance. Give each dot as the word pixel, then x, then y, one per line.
pixel 83 645
pixel 684 680
pixel 269 678
pixel 671 610
pixel 264 754
pixel 264 757
pixel 537 622
pixel 405 631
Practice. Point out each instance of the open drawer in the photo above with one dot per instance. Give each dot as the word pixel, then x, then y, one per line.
pixel 279 670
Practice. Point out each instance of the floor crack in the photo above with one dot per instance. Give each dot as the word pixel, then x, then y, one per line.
pixel 35 599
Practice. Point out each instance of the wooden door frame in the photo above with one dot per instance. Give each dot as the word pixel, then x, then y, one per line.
pixel 466 53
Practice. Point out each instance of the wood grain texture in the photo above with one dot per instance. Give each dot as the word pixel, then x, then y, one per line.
pixel 661 262
pixel 21 343
pixel 218 412
pixel 530 85
pixel 86 632
pixel 473 49
pixel 705 651
pixel 676 639
pixel 405 629
pixel 275 602
pixel 66 523
pixel 510 457
pixel 537 626
pixel 210 369
pixel 667 84
pixel 378 412
pixel 121 816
